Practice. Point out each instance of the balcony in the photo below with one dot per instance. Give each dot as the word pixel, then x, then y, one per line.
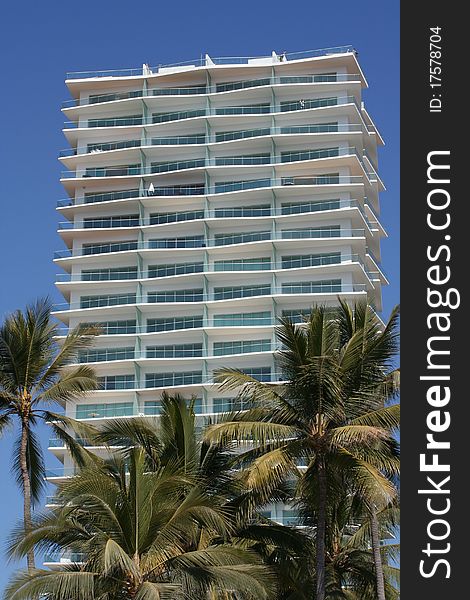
pixel 200 189
pixel 201 242
pixel 218 88
pixel 138 120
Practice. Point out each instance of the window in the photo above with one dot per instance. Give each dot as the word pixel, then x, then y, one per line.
pixel 303 104
pixel 176 116
pixel 174 351
pixel 195 89
pixel 109 247
pixel 105 354
pixel 222 239
pixel 220 405
pixel 297 315
pixel 225 136
pixel 320 128
pixel 119 221
pixel 107 196
pixel 113 145
pixel 162 167
pixel 195 138
pixel 243 264
pixel 233 186
pixel 109 274
pixel 193 241
pixel 239 85
pixel 241 347
pixel 117 382
pixel 243 319
pixel 113 171
pixel 310 260
pixel 241 291
pixel 116 121
pixel 192 189
pixel 312 287
pixel 307 232
pixel 174 323
pixel 243 211
pixel 326 179
pixel 107 300
pixel 173 217
pixel 293 208
pixel 253 109
pixel 259 373
pixel 97 98
pixel 96 411
pixel 117 327
pixel 172 379
pixel 296 155
pixel 177 269
pixel 250 159
pixel 195 295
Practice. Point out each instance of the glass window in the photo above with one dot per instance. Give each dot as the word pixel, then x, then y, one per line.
pixel 174 351
pixel 225 136
pixel 222 239
pixel 243 264
pixel 239 85
pixel 250 159
pixel 95 411
pixel 91 198
pixel 243 211
pixel 119 221
pixel 117 382
pixel 162 167
pixel 173 217
pixel 117 327
pixel 241 347
pixel 312 287
pixel 107 300
pixel 195 295
pixel 105 354
pixel 177 269
pixel 172 379
pixel 109 247
pixel 116 121
pixel 109 274
pixel 307 232
pixel 243 319
pixel 193 241
pixel 310 260
pixel 176 116
pixel 174 323
pixel 233 186
pixel 241 291
pixel 253 109
pixel 304 104
pixel 102 147
pixel 293 208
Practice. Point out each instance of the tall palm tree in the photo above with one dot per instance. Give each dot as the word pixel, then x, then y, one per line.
pixel 330 411
pixel 33 376
pixel 145 535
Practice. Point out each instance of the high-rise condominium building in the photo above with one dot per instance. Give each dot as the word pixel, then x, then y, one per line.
pixel 205 200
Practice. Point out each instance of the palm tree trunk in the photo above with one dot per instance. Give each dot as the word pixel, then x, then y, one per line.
pixel 26 489
pixel 379 573
pixel 321 531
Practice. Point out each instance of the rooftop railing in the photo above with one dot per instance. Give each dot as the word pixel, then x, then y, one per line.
pixel 207 61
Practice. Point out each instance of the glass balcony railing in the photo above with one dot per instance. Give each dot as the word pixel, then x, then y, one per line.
pixel 228 293
pixel 253 109
pixel 266 210
pixel 220 188
pixel 199 242
pixel 224 136
pixel 252 160
pixel 213 89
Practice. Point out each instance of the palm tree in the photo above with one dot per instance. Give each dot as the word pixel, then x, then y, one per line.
pixel 175 438
pixel 33 376
pixel 144 535
pixel 330 412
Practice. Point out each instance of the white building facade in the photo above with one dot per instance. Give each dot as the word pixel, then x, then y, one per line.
pixel 204 201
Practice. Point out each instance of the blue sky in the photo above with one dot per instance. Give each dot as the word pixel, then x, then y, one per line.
pixel 41 41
